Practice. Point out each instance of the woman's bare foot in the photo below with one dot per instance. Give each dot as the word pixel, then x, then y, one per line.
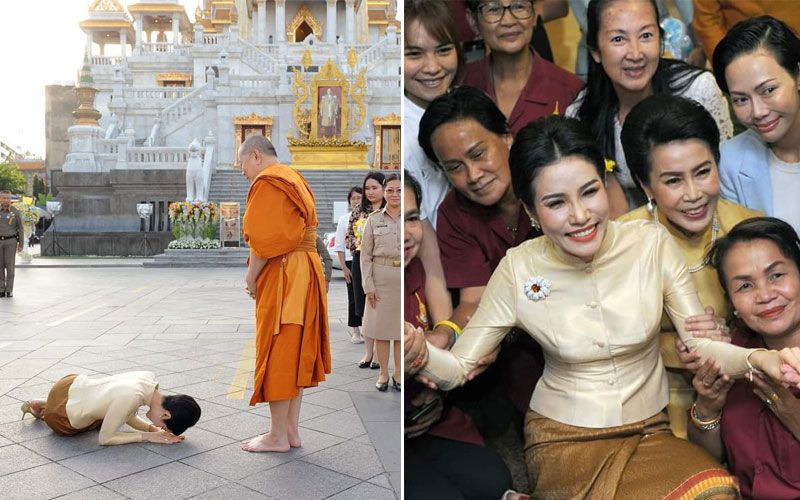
pixel 266 443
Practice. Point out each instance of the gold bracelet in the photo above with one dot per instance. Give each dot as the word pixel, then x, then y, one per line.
pixel 749 365
pixel 706 425
pixel 446 322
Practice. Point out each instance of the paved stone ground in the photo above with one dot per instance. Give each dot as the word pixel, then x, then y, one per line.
pixel 194 328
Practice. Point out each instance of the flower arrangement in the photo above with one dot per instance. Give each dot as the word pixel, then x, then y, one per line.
pixel 194 222
pixel 27 211
pixel 190 243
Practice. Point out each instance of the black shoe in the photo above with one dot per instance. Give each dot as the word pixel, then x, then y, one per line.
pixel 9 294
pixel 365 364
pixel 2 294
pixel 374 366
pixel 395 385
pixel 383 387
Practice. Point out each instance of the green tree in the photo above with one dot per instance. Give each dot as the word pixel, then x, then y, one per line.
pixel 11 179
pixel 39 187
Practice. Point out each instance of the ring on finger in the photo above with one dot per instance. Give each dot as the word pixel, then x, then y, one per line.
pixel 769 402
pixel 774 397
pixel 706 384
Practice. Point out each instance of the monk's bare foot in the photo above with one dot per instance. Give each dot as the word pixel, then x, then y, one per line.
pixel 266 443
pixel 294 440
pixel 37 407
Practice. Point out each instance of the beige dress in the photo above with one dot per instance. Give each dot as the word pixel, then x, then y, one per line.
pixel 380 273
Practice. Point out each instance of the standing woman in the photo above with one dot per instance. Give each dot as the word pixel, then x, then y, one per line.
pixel 672 146
pixel 380 269
pixel 625 66
pixel 346 263
pixel 757 63
pixel 371 201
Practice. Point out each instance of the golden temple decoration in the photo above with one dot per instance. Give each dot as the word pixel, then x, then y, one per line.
pixel 387 141
pixel 303 15
pixel 359 91
pixel 247 125
pixel 306 60
pixel 352 58
pixel 330 85
pixel 301 93
pixel 175 76
pixel 106 6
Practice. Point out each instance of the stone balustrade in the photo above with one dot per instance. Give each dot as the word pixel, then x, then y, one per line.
pixel 105 60
pixel 255 81
pixel 162 48
pixel 383 82
pixel 157 93
pixel 160 158
pixel 214 39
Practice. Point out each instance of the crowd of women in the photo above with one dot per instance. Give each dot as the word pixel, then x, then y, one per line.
pixel 601 268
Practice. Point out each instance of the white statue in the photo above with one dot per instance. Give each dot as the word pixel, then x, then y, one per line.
pixel 196 176
pixel 113 128
pixel 329 110
pixel 152 141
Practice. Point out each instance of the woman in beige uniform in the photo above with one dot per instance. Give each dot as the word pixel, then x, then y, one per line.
pixel 77 403
pixel 380 274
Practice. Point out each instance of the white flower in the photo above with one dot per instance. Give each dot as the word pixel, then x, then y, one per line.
pixel 537 288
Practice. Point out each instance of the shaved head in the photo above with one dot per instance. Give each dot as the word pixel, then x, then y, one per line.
pixel 257 143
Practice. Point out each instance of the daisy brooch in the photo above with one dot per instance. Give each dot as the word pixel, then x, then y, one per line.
pixel 537 288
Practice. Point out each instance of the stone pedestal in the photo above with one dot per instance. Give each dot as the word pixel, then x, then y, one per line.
pixel 82 146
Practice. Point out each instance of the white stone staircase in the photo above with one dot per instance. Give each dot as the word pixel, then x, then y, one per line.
pixel 182 112
pixel 259 60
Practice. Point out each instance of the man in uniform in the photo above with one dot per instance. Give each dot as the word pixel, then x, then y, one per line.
pixel 11 234
pixel 285 277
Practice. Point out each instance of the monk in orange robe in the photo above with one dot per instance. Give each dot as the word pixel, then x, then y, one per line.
pixel 285 277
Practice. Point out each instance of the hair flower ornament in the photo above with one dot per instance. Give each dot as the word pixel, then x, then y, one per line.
pixel 610 165
pixel 537 288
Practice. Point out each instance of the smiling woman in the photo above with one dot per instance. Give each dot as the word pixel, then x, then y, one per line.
pixel 672 146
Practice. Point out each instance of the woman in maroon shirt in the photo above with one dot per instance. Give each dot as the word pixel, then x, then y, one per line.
pixel 755 422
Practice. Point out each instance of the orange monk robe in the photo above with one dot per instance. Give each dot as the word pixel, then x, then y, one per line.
pixel 292 343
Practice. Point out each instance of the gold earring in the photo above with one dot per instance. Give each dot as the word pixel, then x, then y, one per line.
pixel 535 224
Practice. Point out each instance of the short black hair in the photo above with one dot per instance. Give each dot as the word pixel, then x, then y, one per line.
pixel 763 32
pixel 354 189
pixel 412 182
pixel 460 103
pixel 542 143
pixel 183 410
pixel 771 229
pixel 661 119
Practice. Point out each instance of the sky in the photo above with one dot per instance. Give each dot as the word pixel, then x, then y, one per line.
pixel 41 44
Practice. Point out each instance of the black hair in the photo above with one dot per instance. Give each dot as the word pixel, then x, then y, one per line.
pixel 460 103
pixel 763 32
pixel 354 189
pixel 758 228
pixel 366 205
pixel 438 20
pixel 661 119
pixel 411 182
pixel 183 410
pixel 391 177
pixel 600 103
pixel 542 143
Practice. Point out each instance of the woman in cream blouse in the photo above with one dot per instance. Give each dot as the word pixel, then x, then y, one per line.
pixel 77 403
pixel 591 292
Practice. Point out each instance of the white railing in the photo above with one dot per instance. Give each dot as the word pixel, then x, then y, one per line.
pixel 255 81
pixel 108 147
pixel 162 48
pixel 373 56
pixel 184 106
pixel 383 82
pixel 257 59
pixel 157 158
pixel 105 60
pixel 157 93
pixel 272 49
pixel 215 39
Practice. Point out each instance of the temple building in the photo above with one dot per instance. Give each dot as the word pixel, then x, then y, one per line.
pixel 320 78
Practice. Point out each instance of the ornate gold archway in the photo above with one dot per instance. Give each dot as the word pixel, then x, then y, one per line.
pixel 247 125
pixel 303 15
pixel 387 142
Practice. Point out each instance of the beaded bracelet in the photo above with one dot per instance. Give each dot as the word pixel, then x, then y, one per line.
pixel 706 425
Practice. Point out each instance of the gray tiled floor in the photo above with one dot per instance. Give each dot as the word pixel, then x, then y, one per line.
pixel 193 328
